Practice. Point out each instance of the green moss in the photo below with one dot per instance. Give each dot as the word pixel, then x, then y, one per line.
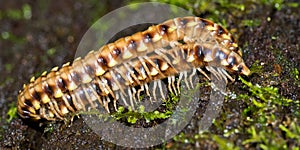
pixel 266 95
pixel 133 116
pixel 5 35
pixel 266 139
pixel 293 132
pixel 26 10
pixel 17 14
pixel 262 116
pixel 14 14
pixel 184 138
pixel 8 67
pixel 12 112
pixel 286 66
pixel 256 68
pixel 49 128
pixel 251 23
pixel 224 144
pixel 293 4
pixel 11 37
pixel 295 74
pixel 230 5
pixel 51 52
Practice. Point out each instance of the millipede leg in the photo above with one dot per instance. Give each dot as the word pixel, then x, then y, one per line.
pixel 173 85
pixel 147 89
pixel 123 99
pixel 130 98
pixel 179 81
pixel 105 102
pixel 213 71
pixel 161 90
pixel 191 77
pixel 139 92
pixel 134 96
pixel 154 91
pixel 202 72
pixel 169 85
pixel 88 96
pixel 159 52
pixel 186 80
pixel 227 75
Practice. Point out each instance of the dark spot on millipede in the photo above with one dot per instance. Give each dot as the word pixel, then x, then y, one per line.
pixel 168 47
pixel 220 54
pixel 220 30
pixel 119 78
pixel 232 40
pixel 61 84
pixel 47 112
pixel 132 44
pixel 102 61
pixel 81 94
pixel 157 62
pixel 116 51
pixel 231 61
pixel 35 95
pixel 147 38
pixel 149 66
pixel 199 52
pixel 236 49
pixel 69 99
pixel 47 89
pixel 205 22
pixel 59 101
pixel 183 21
pixel 27 102
pixel 135 72
pixel 97 88
pixel 160 63
pixel 75 76
pixel 90 70
pixel 163 29
pixel 240 68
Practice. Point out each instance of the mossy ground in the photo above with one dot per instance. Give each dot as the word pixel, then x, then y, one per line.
pixel 262 111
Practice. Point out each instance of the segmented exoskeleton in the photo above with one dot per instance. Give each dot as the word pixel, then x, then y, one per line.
pixel 166 50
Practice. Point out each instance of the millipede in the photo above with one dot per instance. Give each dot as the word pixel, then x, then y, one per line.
pixel 123 69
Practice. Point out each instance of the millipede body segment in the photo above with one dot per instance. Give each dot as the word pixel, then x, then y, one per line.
pixel 163 51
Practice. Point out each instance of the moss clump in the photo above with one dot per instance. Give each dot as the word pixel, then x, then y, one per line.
pixel 265 119
pixel 133 116
pixel 12 112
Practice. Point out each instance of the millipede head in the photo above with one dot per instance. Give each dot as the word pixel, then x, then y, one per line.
pixel 236 64
pixel 220 57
